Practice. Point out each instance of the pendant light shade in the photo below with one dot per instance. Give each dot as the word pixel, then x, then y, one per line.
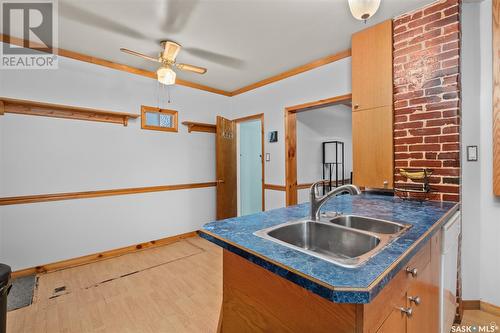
pixel 166 75
pixel 363 9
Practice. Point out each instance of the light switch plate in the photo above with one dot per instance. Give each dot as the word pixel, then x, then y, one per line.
pixel 268 157
pixel 472 153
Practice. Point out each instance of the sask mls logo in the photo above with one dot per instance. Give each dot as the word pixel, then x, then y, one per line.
pixel 31 35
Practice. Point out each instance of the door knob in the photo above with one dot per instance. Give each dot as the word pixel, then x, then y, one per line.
pixel 414 299
pixel 407 311
pixel 411 271
pixel 356 106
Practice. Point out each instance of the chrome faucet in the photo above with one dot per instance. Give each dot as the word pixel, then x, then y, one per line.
pixel 318 202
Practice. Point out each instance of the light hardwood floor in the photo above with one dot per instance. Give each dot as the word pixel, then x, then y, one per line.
pixel 478 317
pixel 174 288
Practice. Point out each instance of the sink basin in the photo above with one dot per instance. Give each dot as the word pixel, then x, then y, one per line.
pixel 368 224
pixel 341 245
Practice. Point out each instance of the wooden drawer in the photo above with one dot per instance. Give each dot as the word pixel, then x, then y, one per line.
pixel 419 262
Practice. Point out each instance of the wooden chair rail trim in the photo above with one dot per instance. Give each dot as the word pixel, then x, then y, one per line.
pixel 35 108
pixel 297 70
pixel 137 71
pixel 308 185
pixel 274 187
pixel 100 193
pixel 87 259
pixel 200 127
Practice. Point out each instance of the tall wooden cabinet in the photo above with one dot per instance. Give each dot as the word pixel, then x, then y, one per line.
pixel 372 96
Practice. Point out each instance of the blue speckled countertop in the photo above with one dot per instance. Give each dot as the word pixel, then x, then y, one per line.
pixel 336 283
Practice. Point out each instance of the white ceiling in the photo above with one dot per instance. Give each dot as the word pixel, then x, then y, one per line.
pixel 239 41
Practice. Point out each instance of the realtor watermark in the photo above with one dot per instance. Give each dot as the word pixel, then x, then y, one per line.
pixel 487 328
pixel 31 30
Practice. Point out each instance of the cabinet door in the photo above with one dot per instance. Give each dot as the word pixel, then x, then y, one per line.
pixel 372 67
pixel 423 294
pixel 395 323
pixel 373 157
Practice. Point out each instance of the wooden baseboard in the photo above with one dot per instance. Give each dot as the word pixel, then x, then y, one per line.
pixel 55 266
pixel 490 308
pixel 471 304
pixel 481 305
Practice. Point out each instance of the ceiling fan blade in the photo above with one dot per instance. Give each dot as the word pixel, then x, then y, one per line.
pixel 78 14
pixel 191 68
pixel 137 54
pixel 177 14
pixel 171 50
pixel 217 58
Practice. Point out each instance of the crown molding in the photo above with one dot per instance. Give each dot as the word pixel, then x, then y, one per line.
pixel 297 70
pixel 114 65
pixel 137 71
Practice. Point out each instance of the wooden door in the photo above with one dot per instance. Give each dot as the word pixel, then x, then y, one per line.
pixel 425 286
pixel 425 316
pixel 373 159
pixel 226 168
pixel 395 323
pixel 372 67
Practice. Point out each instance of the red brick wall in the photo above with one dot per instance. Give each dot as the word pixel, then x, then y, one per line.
pixel 427 95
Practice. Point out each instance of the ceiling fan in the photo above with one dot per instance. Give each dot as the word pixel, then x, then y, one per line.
pixel 165 73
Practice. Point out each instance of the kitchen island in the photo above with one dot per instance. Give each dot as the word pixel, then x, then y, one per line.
pixel 341 298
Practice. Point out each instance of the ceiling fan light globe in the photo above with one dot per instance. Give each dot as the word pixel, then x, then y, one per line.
pixel 166 75
pixel 363 9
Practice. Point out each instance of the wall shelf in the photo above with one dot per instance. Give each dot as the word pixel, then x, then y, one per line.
pixel 18 106
pixel 199 127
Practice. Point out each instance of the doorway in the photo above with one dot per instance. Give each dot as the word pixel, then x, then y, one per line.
pixel 324 148
pixel 292 185
pixel 249 155
pixel 240 179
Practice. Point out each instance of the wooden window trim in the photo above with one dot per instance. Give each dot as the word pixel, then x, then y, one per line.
pixel 173 113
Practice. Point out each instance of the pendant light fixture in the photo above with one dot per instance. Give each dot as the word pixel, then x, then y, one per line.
pixel 363 9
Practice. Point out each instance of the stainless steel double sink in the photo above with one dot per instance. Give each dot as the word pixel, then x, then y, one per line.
pixel 345 240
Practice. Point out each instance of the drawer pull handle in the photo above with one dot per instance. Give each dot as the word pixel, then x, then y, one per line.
pixel 407 311
pixel 356 106
pixel 414 299
pixel 411 271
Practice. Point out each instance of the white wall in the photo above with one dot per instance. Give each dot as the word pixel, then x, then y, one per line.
pixel 49 155
pixel 481 209
pixel 317 126
pixel 490 205
pixel 323 82
pixel 471 175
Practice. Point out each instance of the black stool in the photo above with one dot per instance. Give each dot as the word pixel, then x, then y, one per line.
pixel 5 284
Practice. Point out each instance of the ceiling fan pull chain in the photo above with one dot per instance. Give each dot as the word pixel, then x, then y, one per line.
pixel 158 94
pixel 168 92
